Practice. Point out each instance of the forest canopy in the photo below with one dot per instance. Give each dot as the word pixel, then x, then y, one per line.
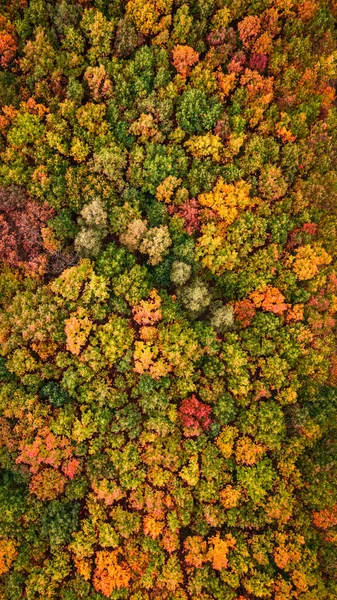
pixel 168 290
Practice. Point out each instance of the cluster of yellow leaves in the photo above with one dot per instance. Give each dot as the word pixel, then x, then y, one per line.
pixel 202 146
pixel 115 337
pixel 283 590
pixel 263 44
pixel 300 580
pixel 82 548
pixel 50 243
pixel 190 473
pixel 203 76
pixel 221 18
pixel 109 574
pixel 239 383
pixel 215 253
pixel 329 96
pixel 226 439
pixel 69 283
pixel 163 353
pixel 77 329
pixel 79 150
pixel 227 199
pixel 83 565
pixel 148 15
pixel 145 127
pixel 280 505
pixel 98 30
pixel 287 396
pixel 91 117
pixel 166 189
pixel 247 451
pixel 333 304
pixel 307 261
pixel 8 554
pixel 147 360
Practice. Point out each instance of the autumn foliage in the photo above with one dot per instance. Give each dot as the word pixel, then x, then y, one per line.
pixel 195 416
pixel 168 300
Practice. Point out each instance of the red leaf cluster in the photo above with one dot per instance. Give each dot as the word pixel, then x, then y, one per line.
pixel 258 61
pixel 195 416
pixel 21 242
pixel 190 212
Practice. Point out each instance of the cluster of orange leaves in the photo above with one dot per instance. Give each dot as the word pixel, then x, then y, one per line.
pixel 8 46
pixel 197 554
pixel 219 551
pixel 109 574
pixel 8 554
pixel 47 484
pixel 184 57
pixel 108 491
pixel 46 449
pixel 9 112
pixel 288 552
pixel 269 298
pixel 230 496
pixel 244 311
pixel 45 455
pixel 247 451
pixel 326 518
pixel 98 81
pixel 148 312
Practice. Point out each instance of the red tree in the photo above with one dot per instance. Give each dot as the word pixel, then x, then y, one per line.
pixel 21 221
pixel 195 416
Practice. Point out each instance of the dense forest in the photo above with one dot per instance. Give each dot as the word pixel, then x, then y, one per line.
pixel 168 291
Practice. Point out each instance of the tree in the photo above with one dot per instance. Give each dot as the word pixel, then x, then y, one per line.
pixel 195 416
pixel 109 574
pixel 22 225
pixel 8 44
pixel 184 58
pixel 197 113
